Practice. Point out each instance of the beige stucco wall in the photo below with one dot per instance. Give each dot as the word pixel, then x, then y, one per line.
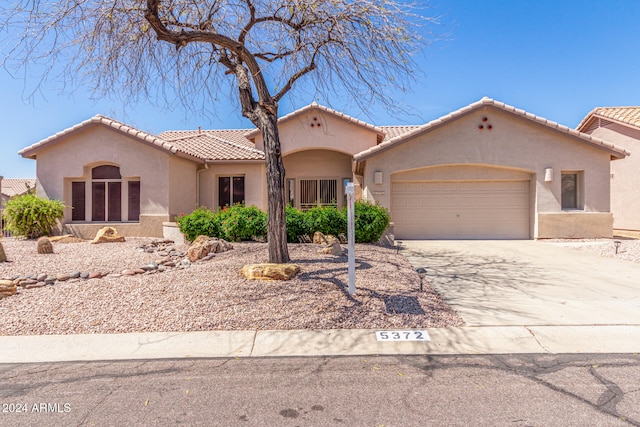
pixel 513 143
pixel 182 186
pixel 334 133
pixel 255 183
pixel 625 176
pixel 72 158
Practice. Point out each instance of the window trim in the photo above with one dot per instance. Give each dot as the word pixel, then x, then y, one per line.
pixel 578 190
pixel 232 201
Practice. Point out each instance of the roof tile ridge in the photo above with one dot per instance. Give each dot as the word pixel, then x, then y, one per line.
pixel 223 140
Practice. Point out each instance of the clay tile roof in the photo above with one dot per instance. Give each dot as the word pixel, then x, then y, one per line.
pixel 32 150
pixel 625 115
pixel 484 102
pixel 14 186
pixel 391 132
pixel 214 144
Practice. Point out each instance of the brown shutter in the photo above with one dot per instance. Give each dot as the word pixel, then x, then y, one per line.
pixel 115 201
pixel 78 201
pixel 134 200
pixel 97 201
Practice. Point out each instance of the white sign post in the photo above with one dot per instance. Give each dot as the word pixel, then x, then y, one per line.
pixel 351 239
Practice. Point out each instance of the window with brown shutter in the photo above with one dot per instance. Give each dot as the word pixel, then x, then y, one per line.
pixel 134 200
pixel 78 201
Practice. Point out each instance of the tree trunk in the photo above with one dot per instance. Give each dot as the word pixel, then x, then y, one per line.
pixel 276 222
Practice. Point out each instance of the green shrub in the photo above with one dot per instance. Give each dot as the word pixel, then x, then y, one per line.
pixel 295 224
pixel 32 216
pixel 201 221
pixel 327 220
pixel 241 222
pixel 370 221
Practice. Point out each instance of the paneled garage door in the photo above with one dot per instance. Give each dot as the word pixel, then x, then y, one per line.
pixel 460 210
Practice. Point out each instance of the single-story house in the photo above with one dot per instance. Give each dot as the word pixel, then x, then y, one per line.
pixel 485 171
pixel 621 126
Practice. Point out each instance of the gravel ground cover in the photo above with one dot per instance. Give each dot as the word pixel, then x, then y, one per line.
pixel 629 249
pixel 212 295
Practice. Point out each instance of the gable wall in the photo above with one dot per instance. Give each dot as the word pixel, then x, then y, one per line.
pixel 513 143
pixel 72 158
pixel 333 134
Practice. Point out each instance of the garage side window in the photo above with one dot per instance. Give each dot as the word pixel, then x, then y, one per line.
pixel 570 190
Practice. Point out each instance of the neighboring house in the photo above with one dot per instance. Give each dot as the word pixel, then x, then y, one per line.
pixel 621 126
pixel 10 187
pixel 486 171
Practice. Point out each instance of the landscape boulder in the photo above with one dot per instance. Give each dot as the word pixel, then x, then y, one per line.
pixel 331 249
pixel 107 235
pixel 44 246
pixel 322 239
pixel 270 271
pixel 7 288
pixel 205 245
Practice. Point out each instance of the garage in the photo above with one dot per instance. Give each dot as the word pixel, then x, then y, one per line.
pixel 460 209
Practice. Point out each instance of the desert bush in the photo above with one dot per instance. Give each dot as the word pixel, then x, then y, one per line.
pixel 370 221
pixel 296 227
pixel 201 221
pixel 327 220
pixel 241 222
pixel 32 216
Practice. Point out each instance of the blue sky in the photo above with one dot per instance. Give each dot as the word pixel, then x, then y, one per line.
pixel 557 59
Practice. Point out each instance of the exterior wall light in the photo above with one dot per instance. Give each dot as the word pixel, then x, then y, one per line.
pixel 377 177
pixel 548 175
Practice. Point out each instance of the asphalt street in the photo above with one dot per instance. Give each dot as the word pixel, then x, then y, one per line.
pixel 501 390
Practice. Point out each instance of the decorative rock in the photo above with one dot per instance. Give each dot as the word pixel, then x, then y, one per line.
pixel 84 275
pixel 107 235
pixel 138 271
pixel 74 275
pixel 49 280
pixel 331 249
pixel 95 275
pixel 321 239
pixel 25 282
pixel 7 288
pixel 44 246
pixel 270 271
pixel 62 277
pixel 35 286
pixel 169 264
pixel 40 277
pixel 127 272
pixel 3 255
pixel 204 245
pixel 185 262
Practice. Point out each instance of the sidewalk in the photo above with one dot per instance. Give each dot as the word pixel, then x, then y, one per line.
pixel 355 342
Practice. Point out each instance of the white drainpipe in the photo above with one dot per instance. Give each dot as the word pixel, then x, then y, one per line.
pixel 206 167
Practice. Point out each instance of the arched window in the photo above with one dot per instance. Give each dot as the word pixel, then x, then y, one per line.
pixel 109 193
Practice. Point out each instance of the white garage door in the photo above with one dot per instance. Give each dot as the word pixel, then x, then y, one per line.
pixel 460 210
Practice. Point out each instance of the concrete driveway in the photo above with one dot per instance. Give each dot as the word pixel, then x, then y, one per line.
pixel 498 283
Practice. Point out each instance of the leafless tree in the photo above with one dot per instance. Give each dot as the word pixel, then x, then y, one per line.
pixel 191 50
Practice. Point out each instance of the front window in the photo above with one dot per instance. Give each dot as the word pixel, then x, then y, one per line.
pixel 570 191
pixel 318 192
pixel 105 198
pixel 230 190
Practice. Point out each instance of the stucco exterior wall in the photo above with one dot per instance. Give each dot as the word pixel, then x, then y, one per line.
pixel 73 157
pixel 507 142
pixel 182 186
pixel 625 176
pixel 328 132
